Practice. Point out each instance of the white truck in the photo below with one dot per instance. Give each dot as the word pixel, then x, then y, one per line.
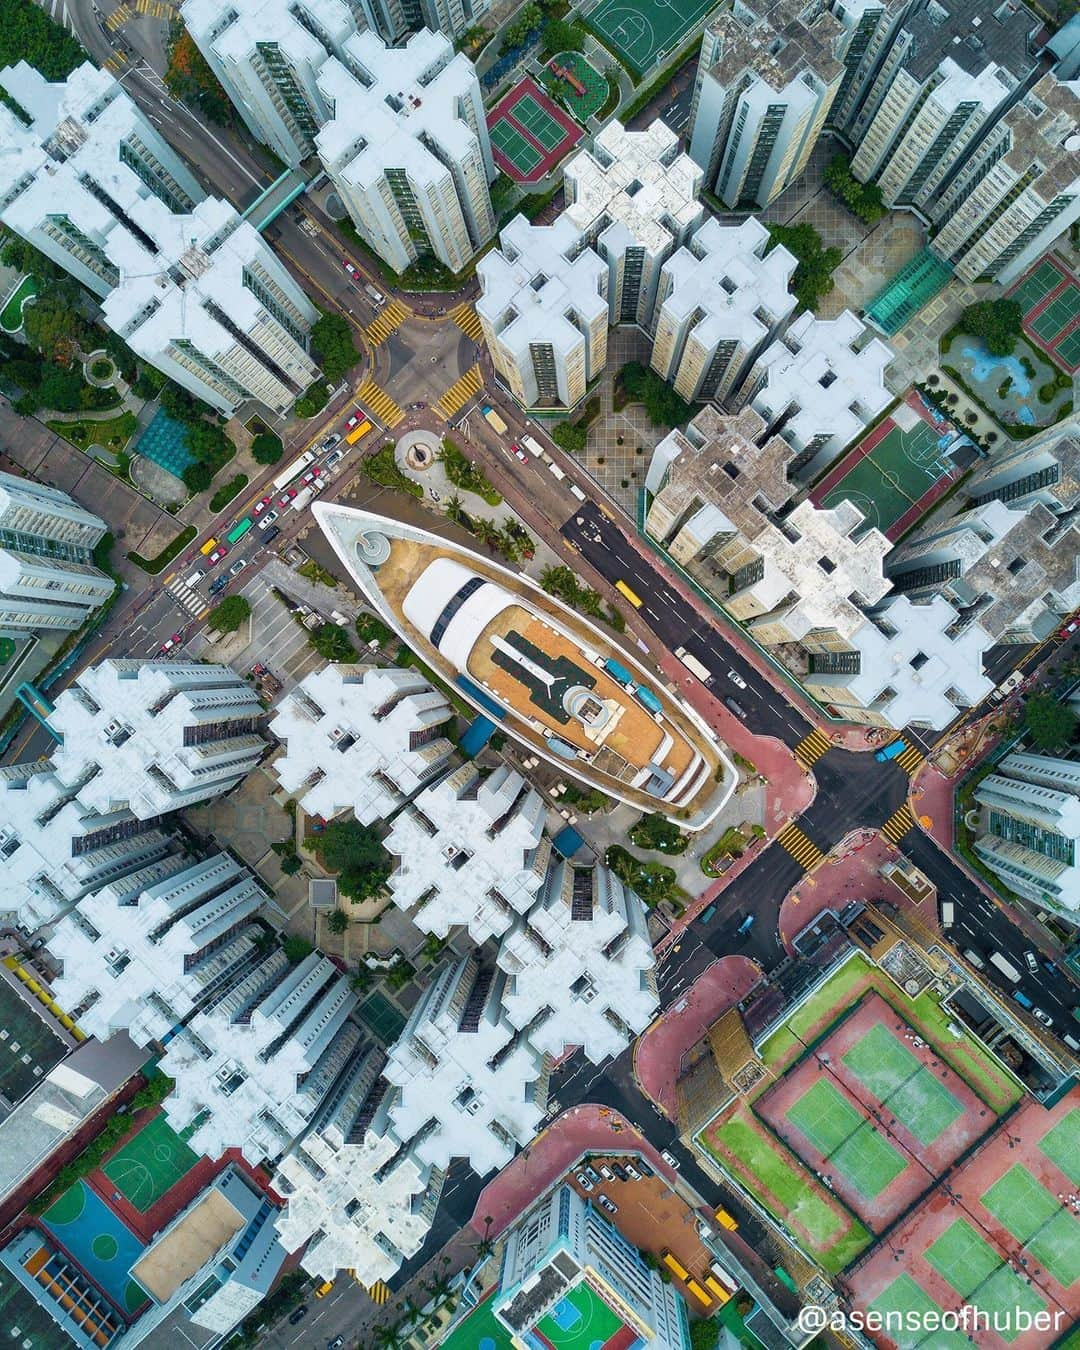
pixel 301 499
pixel 532 445
pixel 1006 967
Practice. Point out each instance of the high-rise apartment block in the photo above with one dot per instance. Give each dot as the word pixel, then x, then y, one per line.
pixel 154 737
pixel 268 55
pixel 721 299
pixel 634 196
pixel 1045 468
pixel 407 148
pixel 1017 190
pixel 47 575
pixel 1031 827
pixel 766 79
pixel 359 738
pixel 544 310
pixel 190 286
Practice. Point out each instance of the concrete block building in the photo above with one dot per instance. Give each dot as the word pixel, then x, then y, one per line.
pixel 721 300
pixel 819 386
pixel 634 196
pixel 359 738
pixel 544 311
pixel 1045 468
pixel 1017 190
pixel 469 851
pixel 155 736
pixel 470 1085
pixel 48 580
pixel 579 965
pixel 1030 828
pixel 766 80
pixel 407 148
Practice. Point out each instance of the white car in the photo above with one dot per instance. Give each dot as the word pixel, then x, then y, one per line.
pixel 736 679
pixel 670 1159
pixel 268 519
pixel 1042 1017
pixel 583 1181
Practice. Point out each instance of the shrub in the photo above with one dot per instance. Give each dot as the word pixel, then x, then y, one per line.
pixel 570 436
pixel 313 401
pixel 463 473
pixel 381 468
pixel 332 343
pixel 100 369
pixel 227 617
pixel 861 199
pixel 1049 723
pixel 224 495
pixel 338 921
pixel 662 404
pixel 332 643
pixel 996 323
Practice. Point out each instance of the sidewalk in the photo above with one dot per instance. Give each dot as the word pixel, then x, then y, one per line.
pixel 658 1051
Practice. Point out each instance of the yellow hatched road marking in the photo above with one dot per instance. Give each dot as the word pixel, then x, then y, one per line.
pixel 380 403
pixel 898 824
pixel 802 849
pixel 910 760
pixel 468 321
pixel 391 318
pixel 379 1292
pixel 459 393
pixel 812 747
pixel 120 15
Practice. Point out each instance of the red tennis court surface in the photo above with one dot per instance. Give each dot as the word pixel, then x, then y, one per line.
pixel 526 143
pixel 924 1114
pixel 1049 294
pixel 987 1240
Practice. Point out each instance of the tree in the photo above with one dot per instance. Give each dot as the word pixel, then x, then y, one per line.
pixel 197 477
pixel 333 346
pixel 332 643
pixel 657 832
pixel 59 389
pixel 1049 723
pixel 296 949
pixel 570 436
pixel 996 323
pixel 813 275
pixel 663 405
pixel 338 921
pixel 517 33
pixel 189 77
pixel 229 615
pixel 27 33
pixel 266 448
pixel 356 854
pixel 560 36
pixel 50 324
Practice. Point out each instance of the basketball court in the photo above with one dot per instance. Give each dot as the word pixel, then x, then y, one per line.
pixel 581 1320
pixel 150 1164
pixel 530 133
pixel 99 1242
pixel 642 33
pixel 897 471
pixel 1049 295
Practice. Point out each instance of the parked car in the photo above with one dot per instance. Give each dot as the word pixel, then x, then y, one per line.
pixel 268 520
pixel 331 441
pixel 593 1175
pixel 333 459
pixel 1042 1017
pixel 620 1171
pixel 238 567
pixel 583 1181
pixel 645 1167
pixel 260 506
pixel 632 1172
pixel 336 1343
pixel 670 1159
pixel 1032 962
pixel 734 706
pixel 220 552
pixel 298 1314
pixel 606 1172
pixel 287 496
pixel 607 1204
pixel 736 679
pixel 219 585
pixel 169 644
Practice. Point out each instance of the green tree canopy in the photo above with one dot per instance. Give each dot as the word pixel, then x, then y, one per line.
pixel 560 36
pixel 266 448
pixel 229 615
pixel 356 854
pixel 333 346
pixel 521 28
pixel 332 643
pixel 996 323
pixel 570 436
pixel 198 476
pixel 1049 722
pixel 338 921
pixel 28 34
pixel 663 405
pixel 816 264
pixel 51 323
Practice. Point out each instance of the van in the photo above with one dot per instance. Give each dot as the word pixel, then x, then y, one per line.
pixel 557 472
pixel 194 579
pixel 733 705
pixel 948 913
pixel 1071 1041
pixel 1022 999
pixel 577 492
pixel 324 1288
pixel 975 959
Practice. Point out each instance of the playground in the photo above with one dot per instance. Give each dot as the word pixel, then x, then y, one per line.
pixel 577 83
pixel 581 1320
pixel 529 133
pixel 150 1164
pixel 642 33
pixel 1049 295
pixel 1024 388
pixel 99 1242
pixel 898 470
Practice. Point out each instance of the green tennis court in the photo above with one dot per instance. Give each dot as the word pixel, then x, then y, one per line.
pixel 824 1117
pixel 150 1164
pixel 642 32
pixel 538 122
pixel 1057 1247
pixel 380 1016
pixel 1068 350
pixel 869 1161
pixel 904 1297
pixel 962 1257
pixel 1058 314
pixel 1062 1145
pixel 1020 1202
pixel 844 1135
pixel 1036 287
pixel 890 1072
pixel 579 1321
pixel 506 138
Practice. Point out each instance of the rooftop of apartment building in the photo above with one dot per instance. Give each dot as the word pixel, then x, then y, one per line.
pixel 638 179
pixel 1053 456
pixel 974 33
pixel 1043 131
pixel 390 102
pixel 775 40
pixel 538 278
pixel 238 26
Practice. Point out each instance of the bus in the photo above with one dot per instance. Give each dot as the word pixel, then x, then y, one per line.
pixel 698 1292
pixel 208 547
pixel 725 1220
pixel 627 594
pixel 297 467
pixel 719 1293
pixel 675 1266
pixel 693 665
pixel 361 429
pixel 239 530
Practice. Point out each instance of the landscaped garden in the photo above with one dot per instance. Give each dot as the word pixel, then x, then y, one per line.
pixel 1023 389
pixel 11 316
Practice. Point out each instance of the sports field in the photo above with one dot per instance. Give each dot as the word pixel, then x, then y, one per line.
pixel 481 1330
pixel 582 106
pixel 897 471
pixel 846 1139
pixel 98 1240
pixel 150 1164
pixel 579 1321
pixel 380 1016
pixel 1049 295
pixel 529 133
pixel 892 1074
pixel 642 32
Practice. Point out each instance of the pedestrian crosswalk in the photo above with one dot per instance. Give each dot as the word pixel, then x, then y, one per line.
pixel 157 9
pixel 120 15
pixel 468 321
pixel 812 747
pixel 459 393
pixel 802 849
pixel 116 63
pixel 910 760
pixel 898 824
pixel 380 402
pixel 379 1292
pixel 185 597
pixel 384 323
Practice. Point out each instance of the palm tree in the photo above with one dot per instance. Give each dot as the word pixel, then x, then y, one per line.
pixel 390 1337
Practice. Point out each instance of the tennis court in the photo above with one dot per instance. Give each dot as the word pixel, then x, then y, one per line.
pixel 895 473
pixel 150 1164
pixel 1033 289
pixel 1058 314
pixel 977 1273
pixel 380 1016
pixel 1062 1145
pixel 100 1242
pixel 892 1074
pixel 530 133
pixel 846 1138
pixel 512 145
pixel 1050 298
pixel 540 125
pixel 642 32
pixel 580 1320
pixel 1038 1220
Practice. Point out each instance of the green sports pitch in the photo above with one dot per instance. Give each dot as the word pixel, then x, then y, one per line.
pixel 150 1164
pixel 891 1073
pixel 846 1138
pixel 642 33
pixel 579 1321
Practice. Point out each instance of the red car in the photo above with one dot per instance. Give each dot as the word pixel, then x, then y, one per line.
pixel 519 453
pixel 287 496
pixel 354 420
pixel 260 507
pixel 311 475
pixel 169 644
pixel 217 555
pixel 349 267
